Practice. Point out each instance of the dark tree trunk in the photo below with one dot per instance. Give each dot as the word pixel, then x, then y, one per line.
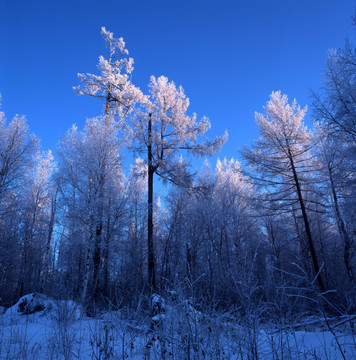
pixel 342 229
pixel 150 248
pixel 306 223
pixel 97 261
pixel 105 257
pixel 84 284
pixel 97 257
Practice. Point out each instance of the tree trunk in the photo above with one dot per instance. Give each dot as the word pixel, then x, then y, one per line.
pixel 45 271
pixel 97 261
pixel 341 226
pixel 105 257
pixel 84 286
pixel 150 248
pixel 25 273
pixel 97 258
pixel 306 223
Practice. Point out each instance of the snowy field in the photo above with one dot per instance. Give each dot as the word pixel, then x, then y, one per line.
pixel 60 330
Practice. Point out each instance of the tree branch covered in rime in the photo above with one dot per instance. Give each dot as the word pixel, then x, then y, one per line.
pixel 113 85
pixel 172 130
pixel 336 103
pixel 16 148
pixel 284 144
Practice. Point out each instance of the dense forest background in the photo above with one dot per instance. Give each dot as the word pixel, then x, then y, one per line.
pixel 275 236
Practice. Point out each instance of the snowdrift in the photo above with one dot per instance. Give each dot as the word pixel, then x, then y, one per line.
pixel 42 305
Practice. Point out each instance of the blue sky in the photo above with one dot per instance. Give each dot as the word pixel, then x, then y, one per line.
pixel 228 55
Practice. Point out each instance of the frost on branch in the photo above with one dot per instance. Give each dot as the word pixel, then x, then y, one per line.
pixel 172 128
pixel 113 84
pixel 114 43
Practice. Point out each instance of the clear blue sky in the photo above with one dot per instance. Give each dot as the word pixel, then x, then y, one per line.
pixel 228 55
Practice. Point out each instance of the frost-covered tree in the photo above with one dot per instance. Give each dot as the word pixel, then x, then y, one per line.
pixel 336 177
pixel 36 214
pixel 281 162
pixel 337 103
pixel 214 244
pixel 113 85
pixel 133 246
pixel 17 149
pixel 334 108
pixel 160 130
pixel 92 191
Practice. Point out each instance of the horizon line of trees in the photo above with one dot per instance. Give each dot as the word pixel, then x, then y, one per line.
pixel 280 233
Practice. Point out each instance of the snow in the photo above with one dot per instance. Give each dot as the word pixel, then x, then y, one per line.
pixel 40 305
pixel 59 330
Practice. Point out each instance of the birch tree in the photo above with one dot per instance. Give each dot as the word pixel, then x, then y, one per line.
pixel 17 149
pixel 35 215
pixel 114 86
pixel 91 189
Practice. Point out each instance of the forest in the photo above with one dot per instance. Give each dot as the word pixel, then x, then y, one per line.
pixel 269 238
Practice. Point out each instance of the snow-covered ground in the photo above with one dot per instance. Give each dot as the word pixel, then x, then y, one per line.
pixel 38 327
